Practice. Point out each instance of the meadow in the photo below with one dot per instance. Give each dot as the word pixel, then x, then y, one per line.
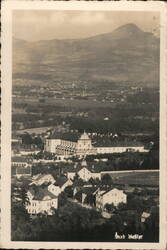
pixel 137 178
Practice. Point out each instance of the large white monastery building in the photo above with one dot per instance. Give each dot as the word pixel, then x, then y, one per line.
pixel 74 146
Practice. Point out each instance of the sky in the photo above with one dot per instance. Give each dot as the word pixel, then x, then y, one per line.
pixel 34 25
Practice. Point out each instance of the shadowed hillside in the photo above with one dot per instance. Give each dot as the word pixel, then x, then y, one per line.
pixel 126 54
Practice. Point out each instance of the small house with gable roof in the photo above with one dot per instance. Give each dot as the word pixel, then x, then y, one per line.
pixel 113 196
pixel 84 172
pixel 41 200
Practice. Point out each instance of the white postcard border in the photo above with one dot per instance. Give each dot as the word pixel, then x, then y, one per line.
pixel 6 19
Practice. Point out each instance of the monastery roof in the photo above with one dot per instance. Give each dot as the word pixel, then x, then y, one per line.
pixel 65 136
pixel 112 143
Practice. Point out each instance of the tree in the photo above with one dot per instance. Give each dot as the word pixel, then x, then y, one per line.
pixel 78 181
pixel 94 182
pixel 117 223
pixel 90 200
pixel 19 193
pixel 69 191
pixel 26 139
pixel 78 196
pixel 38 141
pixel 106 180
pixel 122 206
pixel 133 221
pixel 109 207
pixel 62 199
pixel 134 203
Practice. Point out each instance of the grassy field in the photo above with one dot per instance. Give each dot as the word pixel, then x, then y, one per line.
pixel 141 178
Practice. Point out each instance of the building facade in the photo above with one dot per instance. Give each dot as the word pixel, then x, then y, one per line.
pixel 79 147
pixel 119 149
pixel 41 202
pixel 83 173
pixel 43 193
pixel 63 145
pixel 42 178
pixel 113 196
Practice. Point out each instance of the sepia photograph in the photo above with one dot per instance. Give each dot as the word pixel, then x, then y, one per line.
pixel 85 99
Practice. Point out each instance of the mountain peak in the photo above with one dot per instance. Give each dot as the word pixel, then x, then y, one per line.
pixel 125 54
pixel 129 27
pixel 127 30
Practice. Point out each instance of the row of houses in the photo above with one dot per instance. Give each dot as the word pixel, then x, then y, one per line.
pixel 100 196
pixel 44 191
pixel 23 167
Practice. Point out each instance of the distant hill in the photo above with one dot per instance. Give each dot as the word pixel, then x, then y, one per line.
pixel 125 54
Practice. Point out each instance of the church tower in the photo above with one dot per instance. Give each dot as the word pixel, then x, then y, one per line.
pixel 84 145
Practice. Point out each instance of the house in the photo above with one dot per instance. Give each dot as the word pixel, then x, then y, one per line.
pixel 41 200
pixel 110 147
pixel 21 161
pixel 21 171
pixel 54 189
pixel 71 174
pixel 42 178
pixel 21 166
pixel 55 186
pixel 84 172
pixel 144 216
pixel 63 182
pixel 29 151
pixel 119 149
pixel 113 196
pixel 59 185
